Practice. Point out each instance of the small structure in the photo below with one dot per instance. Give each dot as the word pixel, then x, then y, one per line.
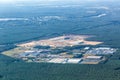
pixel 86 48
pixel 77 55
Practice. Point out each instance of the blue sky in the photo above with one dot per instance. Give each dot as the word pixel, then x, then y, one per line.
pixel 41 1
pixel 48 1
pixel 15 1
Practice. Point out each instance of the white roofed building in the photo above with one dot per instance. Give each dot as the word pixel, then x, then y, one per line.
pixel 93 58
pixel 74 60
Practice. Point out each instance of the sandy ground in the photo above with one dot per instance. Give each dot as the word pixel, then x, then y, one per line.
pixel 60 41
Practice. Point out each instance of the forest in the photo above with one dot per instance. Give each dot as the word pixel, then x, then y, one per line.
pixel 14 69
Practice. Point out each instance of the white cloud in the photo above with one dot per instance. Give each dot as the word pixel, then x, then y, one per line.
pixel 101 15
pixel 13 19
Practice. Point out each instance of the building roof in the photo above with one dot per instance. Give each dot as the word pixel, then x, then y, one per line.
pixel 57 60
pixel 94 57
pixel 74 60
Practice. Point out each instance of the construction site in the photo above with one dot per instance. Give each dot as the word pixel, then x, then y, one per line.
pixel 63 49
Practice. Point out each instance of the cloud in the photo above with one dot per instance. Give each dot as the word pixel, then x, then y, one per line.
pixel 101 15
pixel 13 19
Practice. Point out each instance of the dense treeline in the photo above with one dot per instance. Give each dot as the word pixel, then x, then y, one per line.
pixel 10 69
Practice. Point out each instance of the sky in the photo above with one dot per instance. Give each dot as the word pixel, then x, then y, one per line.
pixel 15 1
pixel 34 2
pixel 40 1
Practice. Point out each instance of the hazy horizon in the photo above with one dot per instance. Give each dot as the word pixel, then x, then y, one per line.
pixel 51 1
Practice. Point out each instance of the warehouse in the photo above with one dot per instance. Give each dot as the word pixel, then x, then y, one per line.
pixel 94 57
pixel 74 60
pixel 92 60
pixel 57 60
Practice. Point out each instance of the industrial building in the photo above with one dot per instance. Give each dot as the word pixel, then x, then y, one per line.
pixel 92 60
pixel 58 60
pixel 74 60
pixel 94 57
pixel 101 50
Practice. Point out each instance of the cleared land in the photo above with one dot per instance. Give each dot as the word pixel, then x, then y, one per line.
pixel 62 41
